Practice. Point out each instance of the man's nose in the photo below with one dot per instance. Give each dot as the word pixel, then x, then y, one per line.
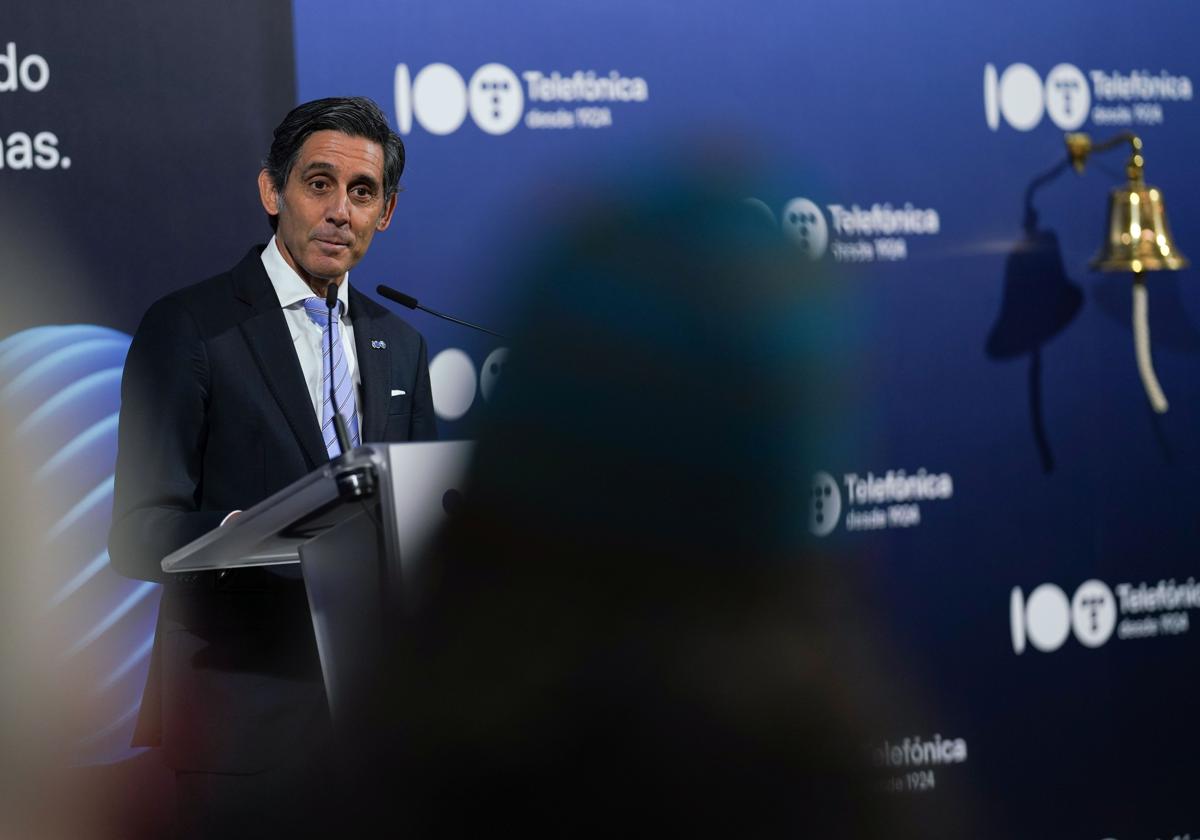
pixel 337 211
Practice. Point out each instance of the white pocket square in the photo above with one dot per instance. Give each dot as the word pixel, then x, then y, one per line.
pixel 397 392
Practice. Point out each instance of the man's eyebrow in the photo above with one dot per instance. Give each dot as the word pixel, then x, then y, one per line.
pixel 323 166
pixel 370 180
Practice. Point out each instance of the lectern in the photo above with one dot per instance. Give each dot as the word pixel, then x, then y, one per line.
pixel 355 530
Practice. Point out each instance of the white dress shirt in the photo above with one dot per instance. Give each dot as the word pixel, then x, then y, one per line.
pixel 306 334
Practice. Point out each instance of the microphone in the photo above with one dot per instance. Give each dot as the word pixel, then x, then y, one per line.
pixel 411 303
pixel 339 423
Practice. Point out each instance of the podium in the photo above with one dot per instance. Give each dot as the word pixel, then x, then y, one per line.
pixel 355 530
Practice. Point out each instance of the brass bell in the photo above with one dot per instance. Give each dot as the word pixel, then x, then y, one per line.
pixel 1137 240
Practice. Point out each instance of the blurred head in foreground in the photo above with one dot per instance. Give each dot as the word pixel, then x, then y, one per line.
pixel 624 626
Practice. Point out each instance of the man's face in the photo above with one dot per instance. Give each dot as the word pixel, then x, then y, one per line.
pixel 330 207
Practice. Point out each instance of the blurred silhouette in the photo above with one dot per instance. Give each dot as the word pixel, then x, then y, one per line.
pixel 1039 302
pixel 50 787
pixel 32 715
pixel 624 629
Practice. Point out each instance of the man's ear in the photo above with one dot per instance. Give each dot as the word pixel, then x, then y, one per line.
pixel 385 218
pixel 267 194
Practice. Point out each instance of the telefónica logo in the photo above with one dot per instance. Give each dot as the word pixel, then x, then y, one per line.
pixel 440 100
pixel 1046 618
pixel 805 224
pixel 825 505
pixel 1021 97
pixel 876 232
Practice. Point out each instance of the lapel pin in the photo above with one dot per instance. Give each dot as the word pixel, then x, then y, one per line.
pixel 378 344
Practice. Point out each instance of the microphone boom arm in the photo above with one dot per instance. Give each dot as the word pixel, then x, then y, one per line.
pixel 411 302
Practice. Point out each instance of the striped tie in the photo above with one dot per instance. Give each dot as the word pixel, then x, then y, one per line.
pixel 343 384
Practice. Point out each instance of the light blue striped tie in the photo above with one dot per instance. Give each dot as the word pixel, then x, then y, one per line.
pixel 343 383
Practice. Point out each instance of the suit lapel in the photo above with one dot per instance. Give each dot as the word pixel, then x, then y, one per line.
pixel 266 332
pixel 375 367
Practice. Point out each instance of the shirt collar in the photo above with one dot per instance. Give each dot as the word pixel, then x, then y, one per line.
pixel 289 288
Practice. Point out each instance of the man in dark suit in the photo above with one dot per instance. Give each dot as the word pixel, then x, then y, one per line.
pixel 224 402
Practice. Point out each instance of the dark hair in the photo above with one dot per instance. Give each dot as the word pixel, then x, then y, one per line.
pixel 356 116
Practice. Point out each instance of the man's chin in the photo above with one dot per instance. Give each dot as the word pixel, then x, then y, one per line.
pixel 327 269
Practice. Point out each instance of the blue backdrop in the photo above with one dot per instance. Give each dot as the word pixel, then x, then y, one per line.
pixel 1026 522
pixel 991 357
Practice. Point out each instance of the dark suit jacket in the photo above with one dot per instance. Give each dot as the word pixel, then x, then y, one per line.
pixel 216 416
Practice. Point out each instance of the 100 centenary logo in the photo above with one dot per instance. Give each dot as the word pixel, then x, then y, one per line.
pixel 1019 97
pixel 439 99
pixel 1047 618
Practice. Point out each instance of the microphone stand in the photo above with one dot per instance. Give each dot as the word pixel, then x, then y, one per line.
pixel 358 483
